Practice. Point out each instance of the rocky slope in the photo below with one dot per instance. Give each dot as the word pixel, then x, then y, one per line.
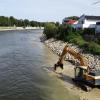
pixel 57 47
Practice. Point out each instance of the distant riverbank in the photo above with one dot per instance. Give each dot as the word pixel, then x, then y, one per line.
pixel 19 28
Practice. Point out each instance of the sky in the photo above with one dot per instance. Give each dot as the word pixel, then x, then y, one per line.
pixel 48 10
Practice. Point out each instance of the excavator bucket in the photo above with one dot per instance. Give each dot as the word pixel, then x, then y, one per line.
pixel 58 65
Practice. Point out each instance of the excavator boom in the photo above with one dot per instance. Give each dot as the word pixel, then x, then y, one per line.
pixel 73 53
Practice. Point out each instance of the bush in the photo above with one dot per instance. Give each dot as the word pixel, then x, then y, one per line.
pixel 50 30
pixel 62 32
pixel 89 31
pixel 93 48
pixel 76 39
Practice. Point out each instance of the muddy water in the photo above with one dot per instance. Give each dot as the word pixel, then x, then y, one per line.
pixel 22 59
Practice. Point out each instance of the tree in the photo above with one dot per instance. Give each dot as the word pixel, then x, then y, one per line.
pixel 26 22
pixel 11 21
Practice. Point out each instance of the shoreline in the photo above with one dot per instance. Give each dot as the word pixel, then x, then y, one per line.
pixel 68 72
pixel 19 28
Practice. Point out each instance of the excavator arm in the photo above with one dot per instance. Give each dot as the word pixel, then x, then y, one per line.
pixel 73 53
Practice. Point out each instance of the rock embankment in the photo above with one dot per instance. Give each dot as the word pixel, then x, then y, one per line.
pixel 57 47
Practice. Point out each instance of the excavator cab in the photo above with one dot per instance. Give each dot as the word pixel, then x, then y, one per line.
pixel 79 73
pixel 89 78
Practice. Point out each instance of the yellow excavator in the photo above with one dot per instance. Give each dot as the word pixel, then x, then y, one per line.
pixel 84 74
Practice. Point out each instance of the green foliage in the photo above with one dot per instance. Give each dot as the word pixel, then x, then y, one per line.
pixel 62 32
pixel 4 21
pixel 11 21
pixel 93 48
pixel 67 33
pixel 57 24
pixel 76 39
pixel 50 30
pixel 89 31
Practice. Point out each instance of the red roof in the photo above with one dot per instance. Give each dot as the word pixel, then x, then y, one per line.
pixel 70 21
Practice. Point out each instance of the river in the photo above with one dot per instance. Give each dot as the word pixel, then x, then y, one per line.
pixel 22 59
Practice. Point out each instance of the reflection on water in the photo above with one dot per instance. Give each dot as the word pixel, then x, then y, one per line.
pixel 22 58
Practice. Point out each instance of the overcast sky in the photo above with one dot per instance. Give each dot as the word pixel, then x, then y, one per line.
pixel 48 10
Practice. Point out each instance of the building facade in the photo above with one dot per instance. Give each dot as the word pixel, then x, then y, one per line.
pixel 87 22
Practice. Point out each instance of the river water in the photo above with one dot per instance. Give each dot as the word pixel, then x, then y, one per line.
pixel 22 59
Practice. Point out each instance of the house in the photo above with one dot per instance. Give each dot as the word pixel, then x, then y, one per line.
pixel 68 21
pixel 86 21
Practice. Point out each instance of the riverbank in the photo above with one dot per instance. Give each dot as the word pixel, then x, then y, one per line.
pixel 68 72
pixel 19 28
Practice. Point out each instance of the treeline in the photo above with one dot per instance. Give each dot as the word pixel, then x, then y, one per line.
pixel 11 21
pixel 69 34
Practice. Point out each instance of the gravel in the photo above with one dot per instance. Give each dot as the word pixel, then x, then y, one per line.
pixel 57 47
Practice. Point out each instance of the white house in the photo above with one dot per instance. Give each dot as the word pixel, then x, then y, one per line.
pixel 86 21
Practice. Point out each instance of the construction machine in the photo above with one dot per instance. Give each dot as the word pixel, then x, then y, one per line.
pixel 84 74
